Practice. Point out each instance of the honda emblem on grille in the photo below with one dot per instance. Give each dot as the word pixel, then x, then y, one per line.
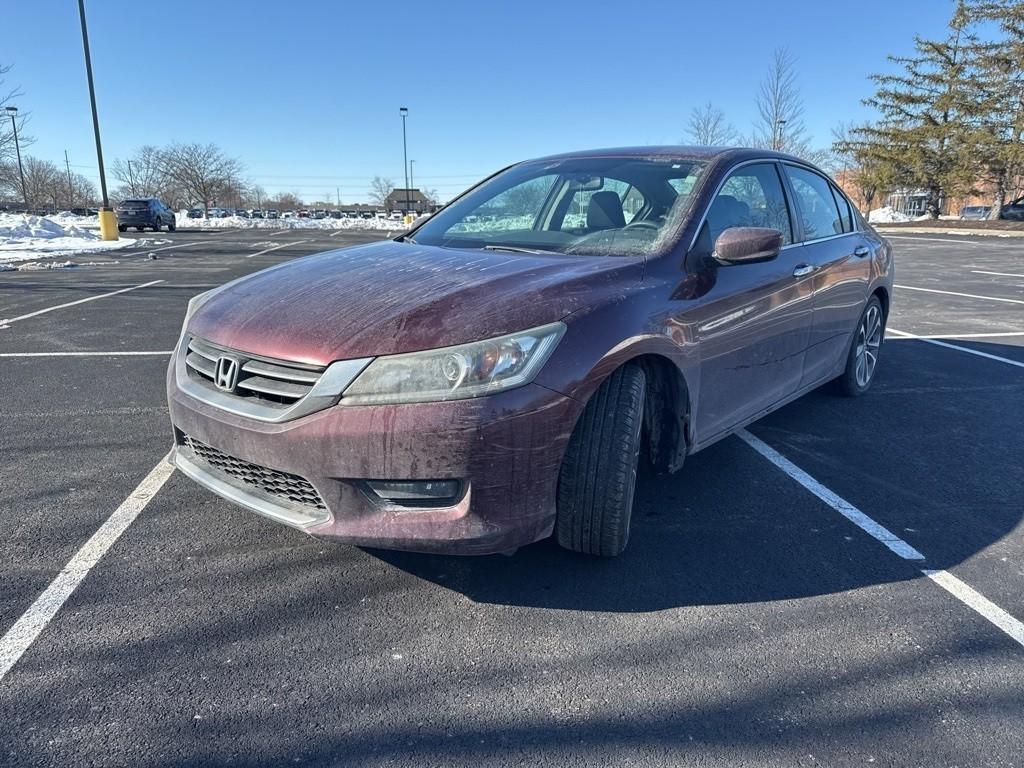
pixel 227 373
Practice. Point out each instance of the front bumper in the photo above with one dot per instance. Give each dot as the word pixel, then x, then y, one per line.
pixel 505 450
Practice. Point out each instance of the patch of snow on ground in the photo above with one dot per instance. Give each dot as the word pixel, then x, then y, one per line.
pixel 24 237
pixel 887 215
pixel 240 222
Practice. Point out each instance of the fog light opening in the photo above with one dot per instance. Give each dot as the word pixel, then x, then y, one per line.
pixel 416 493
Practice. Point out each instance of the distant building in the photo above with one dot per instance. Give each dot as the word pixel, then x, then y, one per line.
pixel 409 200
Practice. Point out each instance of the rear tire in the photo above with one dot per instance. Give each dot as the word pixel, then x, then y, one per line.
pixel 172 225
pixel 862 359
pixel 598 474
pixel 122 228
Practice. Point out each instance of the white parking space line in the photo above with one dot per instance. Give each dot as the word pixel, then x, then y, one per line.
pixel 274 248
pixel 29 626
pixel 279 233
pixel 997 274
pixel 955 293
pixel 168 247
pixel 961 591
pixel 962 335
pixel 957 347
pixel 74 303
pixel 84 354
pixel 937 240
pixel 978 602
pixel 843 507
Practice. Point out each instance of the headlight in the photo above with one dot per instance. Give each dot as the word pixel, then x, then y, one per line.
pixel 454 373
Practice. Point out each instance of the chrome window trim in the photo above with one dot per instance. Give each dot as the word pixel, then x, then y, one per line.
pixel 279 512
pixel 325 393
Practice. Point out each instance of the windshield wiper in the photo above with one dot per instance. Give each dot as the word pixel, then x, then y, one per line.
pixel 512 249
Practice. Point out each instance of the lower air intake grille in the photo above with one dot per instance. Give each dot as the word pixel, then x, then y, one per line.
pixel 281 485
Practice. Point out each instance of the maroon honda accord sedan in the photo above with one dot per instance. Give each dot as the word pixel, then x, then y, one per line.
pixel 494 375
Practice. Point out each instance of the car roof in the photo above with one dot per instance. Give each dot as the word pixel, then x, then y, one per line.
pixel 680 152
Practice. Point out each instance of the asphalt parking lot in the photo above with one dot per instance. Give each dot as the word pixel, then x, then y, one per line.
pixel 756 619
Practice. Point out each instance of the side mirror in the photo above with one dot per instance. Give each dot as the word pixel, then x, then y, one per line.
pixel 747 245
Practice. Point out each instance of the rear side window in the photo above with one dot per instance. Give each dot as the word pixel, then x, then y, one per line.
pixel 751 197
pixel 815 203
pixel 845 216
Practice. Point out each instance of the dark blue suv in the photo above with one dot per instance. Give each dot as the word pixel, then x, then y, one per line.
pixel 144 212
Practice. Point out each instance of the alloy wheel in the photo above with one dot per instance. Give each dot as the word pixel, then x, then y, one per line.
pixel 869 339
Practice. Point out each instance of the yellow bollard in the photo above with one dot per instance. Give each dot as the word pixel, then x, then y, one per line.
pixel 108 224
pixel 408 219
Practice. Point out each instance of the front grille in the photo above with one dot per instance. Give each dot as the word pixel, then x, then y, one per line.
pixel 270 382
pixel 281 485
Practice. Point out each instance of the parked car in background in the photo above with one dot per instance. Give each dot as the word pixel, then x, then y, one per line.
pixel 144 213
pixel 494 375
pixel 974 212
pixel 195 213
pixel 396 216
pixel 303 214
pixel 273 213
pixel 241 213
pixel 1013 211
pixel 337 215
pixel 256 213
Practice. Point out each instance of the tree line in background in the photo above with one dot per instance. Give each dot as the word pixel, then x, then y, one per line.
pixel 951 118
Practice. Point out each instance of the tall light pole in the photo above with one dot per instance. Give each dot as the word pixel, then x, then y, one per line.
pixel 412 183
pixel 404 112
pixel 13 112
pixel 108 222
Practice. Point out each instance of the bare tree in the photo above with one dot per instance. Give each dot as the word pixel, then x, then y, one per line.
pixel 780 108
pixel 45 185
pixel 6 133
pixel 380 188
pixel 202 171
pixel 708 127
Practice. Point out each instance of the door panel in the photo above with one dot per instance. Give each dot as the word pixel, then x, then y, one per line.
pixel 840 277
pixel 752 338
pixel 754 325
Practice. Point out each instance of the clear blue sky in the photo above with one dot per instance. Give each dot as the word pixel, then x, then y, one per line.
pixel 307 93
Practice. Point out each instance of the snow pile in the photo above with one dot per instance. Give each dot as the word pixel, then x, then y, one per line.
pixel 25 237
pixel 887 215
pixel 240 222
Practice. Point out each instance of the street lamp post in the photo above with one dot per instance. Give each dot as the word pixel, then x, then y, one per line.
pixel 412 183
pixel 13 112
pixel 404 112
pixel 108 222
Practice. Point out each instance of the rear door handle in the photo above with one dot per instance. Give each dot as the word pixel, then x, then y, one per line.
pixel 861 250
pixel 804 269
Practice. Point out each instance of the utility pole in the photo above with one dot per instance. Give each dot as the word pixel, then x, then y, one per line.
pixel 412 183
pixel 71 189
pixel 108 222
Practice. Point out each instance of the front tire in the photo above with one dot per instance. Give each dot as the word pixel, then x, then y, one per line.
pixel 862 359
pixel 598 474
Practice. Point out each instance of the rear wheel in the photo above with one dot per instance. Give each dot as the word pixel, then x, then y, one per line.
pixel 598 474
pixel 172 225
pixel 862 359
pixel 121 228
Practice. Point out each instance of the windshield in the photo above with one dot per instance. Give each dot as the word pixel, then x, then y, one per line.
pixel 608 206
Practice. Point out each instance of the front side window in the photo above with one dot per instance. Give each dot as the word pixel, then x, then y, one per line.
pixel 816 204
pixel 751 197
pixel 604 206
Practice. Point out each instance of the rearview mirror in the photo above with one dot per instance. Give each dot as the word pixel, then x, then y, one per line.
pixel 585 183
pixel 747 245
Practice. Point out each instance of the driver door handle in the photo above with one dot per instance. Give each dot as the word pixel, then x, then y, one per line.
pixel 861 250
pixel 804 269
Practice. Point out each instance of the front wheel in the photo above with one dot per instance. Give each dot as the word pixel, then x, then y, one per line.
pixel 862 359
pixel 598 474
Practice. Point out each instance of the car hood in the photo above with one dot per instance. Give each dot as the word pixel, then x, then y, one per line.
pixel 392 297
